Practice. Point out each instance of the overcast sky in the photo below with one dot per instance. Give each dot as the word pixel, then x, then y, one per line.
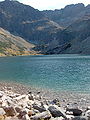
pixel 52 4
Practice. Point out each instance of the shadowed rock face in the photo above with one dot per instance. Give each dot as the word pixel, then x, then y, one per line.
pixel 76 37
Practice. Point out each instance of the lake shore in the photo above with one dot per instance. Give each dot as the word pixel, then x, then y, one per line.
pixel 21 102
pixel 65 97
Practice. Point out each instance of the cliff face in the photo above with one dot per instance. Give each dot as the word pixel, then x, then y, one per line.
pixel 11 45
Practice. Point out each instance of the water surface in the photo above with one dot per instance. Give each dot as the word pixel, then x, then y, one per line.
pixel 57 72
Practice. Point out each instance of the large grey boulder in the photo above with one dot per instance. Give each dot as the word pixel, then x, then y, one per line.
pixel 75 110
pixel 57 111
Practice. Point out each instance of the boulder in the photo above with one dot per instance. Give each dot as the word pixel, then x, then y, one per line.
pixel 87 114
pixel 57 111
pixel 10 111
pixel 39 108
pixel 44 115
pixel 76 111
pixel 79 118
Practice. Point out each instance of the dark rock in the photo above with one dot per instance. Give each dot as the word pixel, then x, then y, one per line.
pixel 10 111
pixel 79 118
pixel 21 114
pixel 76 111
pixel 39 108
pixel 57 111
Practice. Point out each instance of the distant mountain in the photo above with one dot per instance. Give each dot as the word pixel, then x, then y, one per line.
pixel 52 32
pixel 68 15
pixel 76 39
pixel 27 22
pixel 11 45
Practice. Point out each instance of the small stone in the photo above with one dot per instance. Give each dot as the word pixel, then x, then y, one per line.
pixel 31 97
pixel 2 112
pixel 88 108
pixel 21 114
pixel 18 109
pixel 20 97
pixel 31 112
pixel 87 114
pixel 11 118
pixel 25 117
pixel 2 117
pixel 58 118
pixel 1 95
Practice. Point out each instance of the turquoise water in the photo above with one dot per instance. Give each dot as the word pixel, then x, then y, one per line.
pixel 58 72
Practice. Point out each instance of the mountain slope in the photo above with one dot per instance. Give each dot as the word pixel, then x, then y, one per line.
pixel 11 45
pixel 27 22
pixel 76 39
pixel 68 15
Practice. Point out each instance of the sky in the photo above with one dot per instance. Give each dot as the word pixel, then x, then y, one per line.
pixel 52 4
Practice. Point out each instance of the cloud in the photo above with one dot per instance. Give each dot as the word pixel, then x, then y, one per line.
pixel 52 4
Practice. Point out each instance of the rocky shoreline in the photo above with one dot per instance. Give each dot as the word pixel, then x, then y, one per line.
pixel 19 102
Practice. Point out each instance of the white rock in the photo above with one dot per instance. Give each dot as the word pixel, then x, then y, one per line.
pixel 1 95
pixel 20 97
pixel 25 117
pixel 2 112
pixel 87 114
